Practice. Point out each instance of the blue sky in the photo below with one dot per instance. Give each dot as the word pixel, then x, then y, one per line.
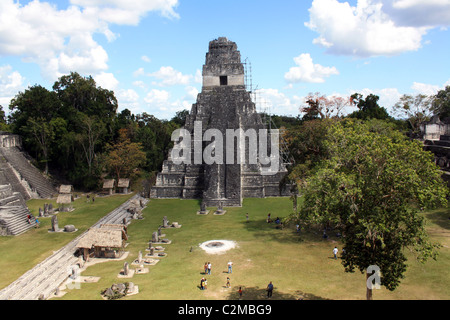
pixel 151 52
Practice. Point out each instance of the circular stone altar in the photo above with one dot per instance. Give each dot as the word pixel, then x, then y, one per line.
pixel 217 246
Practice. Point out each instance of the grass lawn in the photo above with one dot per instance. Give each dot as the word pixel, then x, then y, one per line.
pixel 299 265
pixel 21 253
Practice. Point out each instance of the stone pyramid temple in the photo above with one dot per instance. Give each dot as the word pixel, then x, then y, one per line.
pixel 223 104
pixel 19 181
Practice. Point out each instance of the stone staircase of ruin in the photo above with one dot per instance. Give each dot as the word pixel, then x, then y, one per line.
pixel 28 172
pixel 8 177
pixel 8 197
pixel 15 199
pixel 14 218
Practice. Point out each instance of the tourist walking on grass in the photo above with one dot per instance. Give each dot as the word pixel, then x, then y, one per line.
pixel 335 252
pixel 205 267
pixel 230 267
pixel 202 283
pixel 228 285
pixel 240 293
pixel 209 267
pixel 269 290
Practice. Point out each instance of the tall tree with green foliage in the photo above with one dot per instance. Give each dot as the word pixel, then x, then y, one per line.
pixel 368 107
pixel 32 113
pixel 124 157
pixel 81 94
pixel 371 188
pixel 441 103
pixel 66 127
pixel 93 130
pixel 155 136
pixel 2 115
pixel 90 115
pixel 322 107
pixel 41 132
pixel 416 110
pixel 3 124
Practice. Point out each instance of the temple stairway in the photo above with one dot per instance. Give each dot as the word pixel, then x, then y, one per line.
pixel 13 161
pixel 13 220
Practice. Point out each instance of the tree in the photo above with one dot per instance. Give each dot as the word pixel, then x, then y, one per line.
pixel 32 114
pixel 92 131
pixel 306 145
pixel 2 115
pixel 35 102
pixel 41 132
pixel 370 189
pixel 441 103
pixel 3 124
pixel 155 137
pixel 180 117
pixel 124 157
pixel 368 108
pixel 81 94
pixel 67 127
pixel 416 109
pixel 323 107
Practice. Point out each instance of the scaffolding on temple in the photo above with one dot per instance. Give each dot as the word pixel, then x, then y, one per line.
pixel 263 108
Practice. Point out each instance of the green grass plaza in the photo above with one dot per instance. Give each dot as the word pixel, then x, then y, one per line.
pixel 300 264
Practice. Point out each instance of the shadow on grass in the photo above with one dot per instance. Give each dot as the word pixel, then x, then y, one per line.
pixel 273 232
pixel 256 293
pixel 440 217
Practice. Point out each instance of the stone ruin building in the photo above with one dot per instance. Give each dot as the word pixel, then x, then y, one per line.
pixel 17 170
pixel 224 103
pixel 436 139
pixel 19 181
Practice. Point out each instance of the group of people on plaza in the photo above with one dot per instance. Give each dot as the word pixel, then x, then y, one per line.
pixel 270 287
pixel 207 271
pixel 36 225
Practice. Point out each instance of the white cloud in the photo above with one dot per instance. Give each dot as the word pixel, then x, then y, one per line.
pixel 423 88
pixel 191 93
pixel 388 96
pixel 363 31
pixel 159 104
pixel 170 77
pixel 60 41
pixel 198 78
pixel 158 97
pixel 418 12
pixel 275 102
pixel 146 59
pixel 128 99
pixel 428 89
pixel 11 82
pixel 307 71
pixel 128 12
pixel 106 80
pixel 139 72
pixel 140 84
